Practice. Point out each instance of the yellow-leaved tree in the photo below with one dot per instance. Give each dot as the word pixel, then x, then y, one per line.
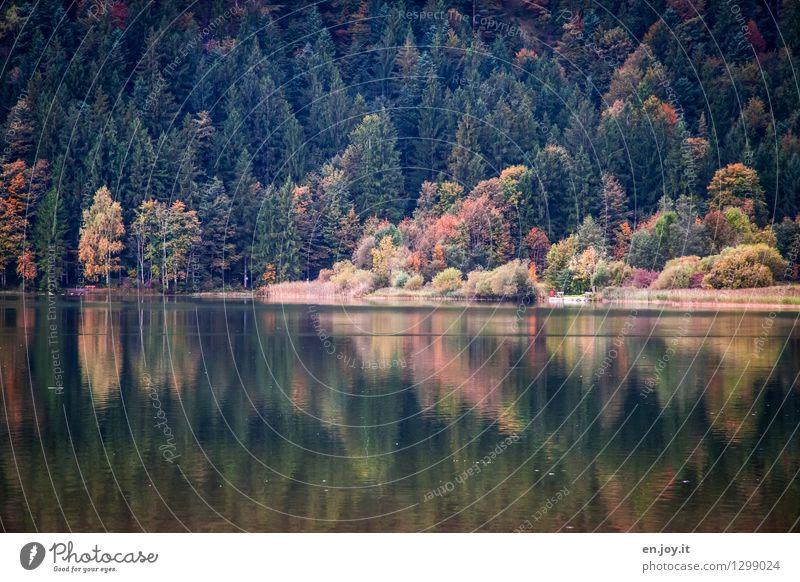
pixel 101 237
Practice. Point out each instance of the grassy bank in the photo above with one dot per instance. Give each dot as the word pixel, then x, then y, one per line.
pixel 327 291
pixel 779 295
pixel 418 294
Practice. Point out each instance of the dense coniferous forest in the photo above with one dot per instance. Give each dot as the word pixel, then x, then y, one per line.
pixel 187 146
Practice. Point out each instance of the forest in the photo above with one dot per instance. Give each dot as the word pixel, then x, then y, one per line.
pixel 474 147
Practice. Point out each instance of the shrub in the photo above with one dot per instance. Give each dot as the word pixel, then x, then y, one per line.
pixel 746 266
pixel 616 273
pixel 414 282
pixel 448 280
pixel 361 283
pixel 346 277
pixel 678 273
pixel 399 279
pixel 362 256
pixel 509 280
pixel 325 275
pixel 641 278
pixel 477 284
pixel 676 277
pixel 707 263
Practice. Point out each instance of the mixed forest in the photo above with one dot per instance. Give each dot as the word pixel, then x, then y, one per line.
pixel 473 146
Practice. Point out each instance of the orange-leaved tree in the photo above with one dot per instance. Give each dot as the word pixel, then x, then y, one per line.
pixel 101 237
pixel 737 185
pixel 20 189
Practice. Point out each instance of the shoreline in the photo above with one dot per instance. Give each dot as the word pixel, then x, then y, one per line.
pixel 782 297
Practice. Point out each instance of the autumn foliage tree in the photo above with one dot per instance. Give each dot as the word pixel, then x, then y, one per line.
pixel 20 189
pixel 613 206
pixel 537 245
pixel 738 185
pixel 166 237
pixel 101 237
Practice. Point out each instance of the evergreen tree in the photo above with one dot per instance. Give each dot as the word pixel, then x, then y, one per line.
pixel 466 165
pixel 217 250
pixel 372 165
pixel 431 148
pixel 19 136
pixel 276 253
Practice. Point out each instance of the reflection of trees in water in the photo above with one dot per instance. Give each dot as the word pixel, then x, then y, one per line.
pixel 15 332
pixel 100 351
pixel 264 425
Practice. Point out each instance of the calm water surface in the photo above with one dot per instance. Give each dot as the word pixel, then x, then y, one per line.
pixel 208 416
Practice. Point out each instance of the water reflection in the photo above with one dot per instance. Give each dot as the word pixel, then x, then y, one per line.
pixel 325 418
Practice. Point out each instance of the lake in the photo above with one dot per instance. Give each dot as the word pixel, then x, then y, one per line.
pixel 197 415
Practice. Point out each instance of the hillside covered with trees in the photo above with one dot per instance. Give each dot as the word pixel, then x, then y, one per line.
pixel 475 146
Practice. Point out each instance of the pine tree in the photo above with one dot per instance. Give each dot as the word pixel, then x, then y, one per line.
pixel 430 152
pixel 467 166
pixel 276 247
pixel 294 150
pixel 136 183
pixel 217 250
pixel 19 136
pixel 202 139
pixel 372 165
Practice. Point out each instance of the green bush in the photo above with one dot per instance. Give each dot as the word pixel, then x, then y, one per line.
pixel 746 266
pixel 509 280
pixel 616 272
pixel 677 273
pixel 399 278
pixel 448 280
pixel 414 282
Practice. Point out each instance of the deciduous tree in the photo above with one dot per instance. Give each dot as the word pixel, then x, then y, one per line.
pixel 101 237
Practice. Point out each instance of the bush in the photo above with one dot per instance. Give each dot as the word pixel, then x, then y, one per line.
pixel 362 256
pixel 616 273
pixel 325 275
pixel 678 273
pixel 399 279
pixel 641 278
pixel 677 277
pixel 414 282
pixel 346 277
pixel 746 266
pixel 477 284
pixel 448 280
pixel 707 263
pixel 509 280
